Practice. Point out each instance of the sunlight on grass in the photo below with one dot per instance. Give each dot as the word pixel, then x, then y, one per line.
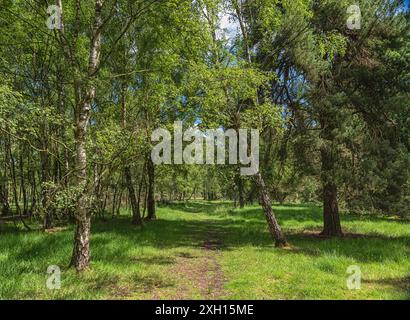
pixel 148 262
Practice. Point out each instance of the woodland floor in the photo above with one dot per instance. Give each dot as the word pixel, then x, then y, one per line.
pixel 204 250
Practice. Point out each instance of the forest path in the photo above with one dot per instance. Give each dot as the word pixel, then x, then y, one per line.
pixel 198 275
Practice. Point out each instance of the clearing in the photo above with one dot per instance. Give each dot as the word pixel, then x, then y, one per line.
pixel 207 250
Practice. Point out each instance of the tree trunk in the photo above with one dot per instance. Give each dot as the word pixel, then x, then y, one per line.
pixel 136 215
pixel 239 184
pixel 81 252
pixel 32 178
pixel 14 179
pixel 5 184
pixel 151 190
pixel 135 206
pixel 23 182
pixel 140 186
pixel 251 195
pixel 331 219
pixel 45 188
pixel 5 206
pixel 273 224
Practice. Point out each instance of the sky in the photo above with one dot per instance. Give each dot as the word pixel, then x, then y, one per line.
pixel 231 27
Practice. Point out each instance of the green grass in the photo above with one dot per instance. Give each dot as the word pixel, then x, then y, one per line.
pixel 166 259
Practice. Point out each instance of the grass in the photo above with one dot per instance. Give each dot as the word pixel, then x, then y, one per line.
pixel 204 250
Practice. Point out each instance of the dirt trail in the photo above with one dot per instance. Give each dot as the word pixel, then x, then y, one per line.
pixel 211 277
pixel 199 275
pixel 193 274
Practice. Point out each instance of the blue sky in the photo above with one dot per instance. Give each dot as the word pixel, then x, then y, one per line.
pixel 231 27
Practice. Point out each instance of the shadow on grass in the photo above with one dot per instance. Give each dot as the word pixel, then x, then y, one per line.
pixel 248 228
pixel 117 242
pixel 116 288
pixel 198 207
pixel 155 260
pixel 403 283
